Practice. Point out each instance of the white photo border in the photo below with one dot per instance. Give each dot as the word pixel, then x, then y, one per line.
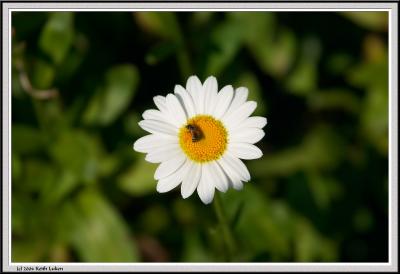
pixel 390 7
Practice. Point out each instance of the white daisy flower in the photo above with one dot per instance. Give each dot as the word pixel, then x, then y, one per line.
pixel 199 136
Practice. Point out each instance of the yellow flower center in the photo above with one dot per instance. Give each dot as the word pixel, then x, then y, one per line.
pixel 203 138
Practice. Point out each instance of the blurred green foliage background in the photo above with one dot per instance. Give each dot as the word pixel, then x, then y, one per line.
pixel 81 80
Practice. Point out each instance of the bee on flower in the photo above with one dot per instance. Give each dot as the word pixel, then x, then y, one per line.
pixel 199 136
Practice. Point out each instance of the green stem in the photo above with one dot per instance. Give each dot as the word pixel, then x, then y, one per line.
pixel 229 240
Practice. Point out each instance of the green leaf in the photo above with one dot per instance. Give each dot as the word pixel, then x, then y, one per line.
pixel 68 68
pixel 325 189
pixel 60 188
pixel 163 24
pixel 335 98
pixel 113 99
pixel 38 176
pixel 194 249
pixel 374 117
pixel 227 39
pixel 310 246
pixel 302 80
pixel 16 166
pixel 57 35
pixel 138 180
pixel 32 226
pixel 372 20
pixel 258 26
pixel 372 76
pixel 47 180
pixel 43 75
pixel 109 163
pixel 66 149
pixel 26 139
pixel 96 231
pixel 276 57
pixel 272 47
pixel 27 251
pixel 277 232
pixel 367 74
pixel 321 149
pixel 269 232
pixel 19 206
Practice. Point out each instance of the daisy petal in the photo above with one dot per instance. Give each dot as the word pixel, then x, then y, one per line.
pixel 239 166
pixel 168 167
pixel 246 135
pixel 224 99
pixel 240 96
pixel 231 173
pixel 240 114
pixel 238 185
pixel 245 151
pixel 193 84
pixel 175 108
pixel 195 89
pixel 191 181
pixel 210 88
pixel 254 121
pixel 173 180
pixel 205 189
pixel 219 178
pixel 148 142
pixel 153 114
pixel 163 153
pixel 160 102
pixel 158 127
pixel 186 100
